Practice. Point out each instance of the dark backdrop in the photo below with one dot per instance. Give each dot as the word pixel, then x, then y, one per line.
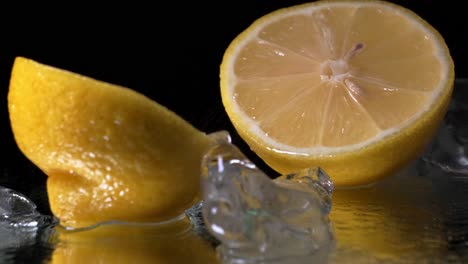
pixel 169 51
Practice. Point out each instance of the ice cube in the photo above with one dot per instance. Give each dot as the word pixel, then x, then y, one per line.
pixel 20 222
pixel 449 150
pixel 14 204
pixel 257 219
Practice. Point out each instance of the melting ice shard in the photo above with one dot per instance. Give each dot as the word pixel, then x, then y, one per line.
pixel 16 209
pixel 449 150
pixel 20 222
pixel 14 204
pixel 257 219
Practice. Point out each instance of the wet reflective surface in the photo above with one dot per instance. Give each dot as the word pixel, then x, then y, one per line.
pixel 416 216
pixel 172 242
pixel 419 215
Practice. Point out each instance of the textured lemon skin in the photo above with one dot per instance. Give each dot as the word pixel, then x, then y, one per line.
pixel 348 168
pixel 110 153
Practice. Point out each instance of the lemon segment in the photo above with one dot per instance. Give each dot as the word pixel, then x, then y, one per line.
pixel 356 87
pixel 109 152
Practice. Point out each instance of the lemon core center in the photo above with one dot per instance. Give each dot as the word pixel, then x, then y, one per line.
pixel 337 70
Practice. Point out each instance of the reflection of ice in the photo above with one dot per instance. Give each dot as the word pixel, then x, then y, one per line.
pixel 449 150
pixel 195 216
pixel 20 223
pixel 259 220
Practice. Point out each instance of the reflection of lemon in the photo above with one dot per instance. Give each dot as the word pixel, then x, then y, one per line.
pixel 133 244
pixel 109 152
pixel 356 87
pixel 395 219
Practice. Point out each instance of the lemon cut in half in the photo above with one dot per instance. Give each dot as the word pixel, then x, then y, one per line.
pixel 356 87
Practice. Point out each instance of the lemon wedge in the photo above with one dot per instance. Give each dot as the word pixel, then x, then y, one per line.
pixel 109 152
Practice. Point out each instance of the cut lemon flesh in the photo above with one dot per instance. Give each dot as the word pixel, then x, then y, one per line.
pixel 337 84
pixel 109 152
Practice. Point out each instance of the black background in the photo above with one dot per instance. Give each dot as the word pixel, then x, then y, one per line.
pixel 169 51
